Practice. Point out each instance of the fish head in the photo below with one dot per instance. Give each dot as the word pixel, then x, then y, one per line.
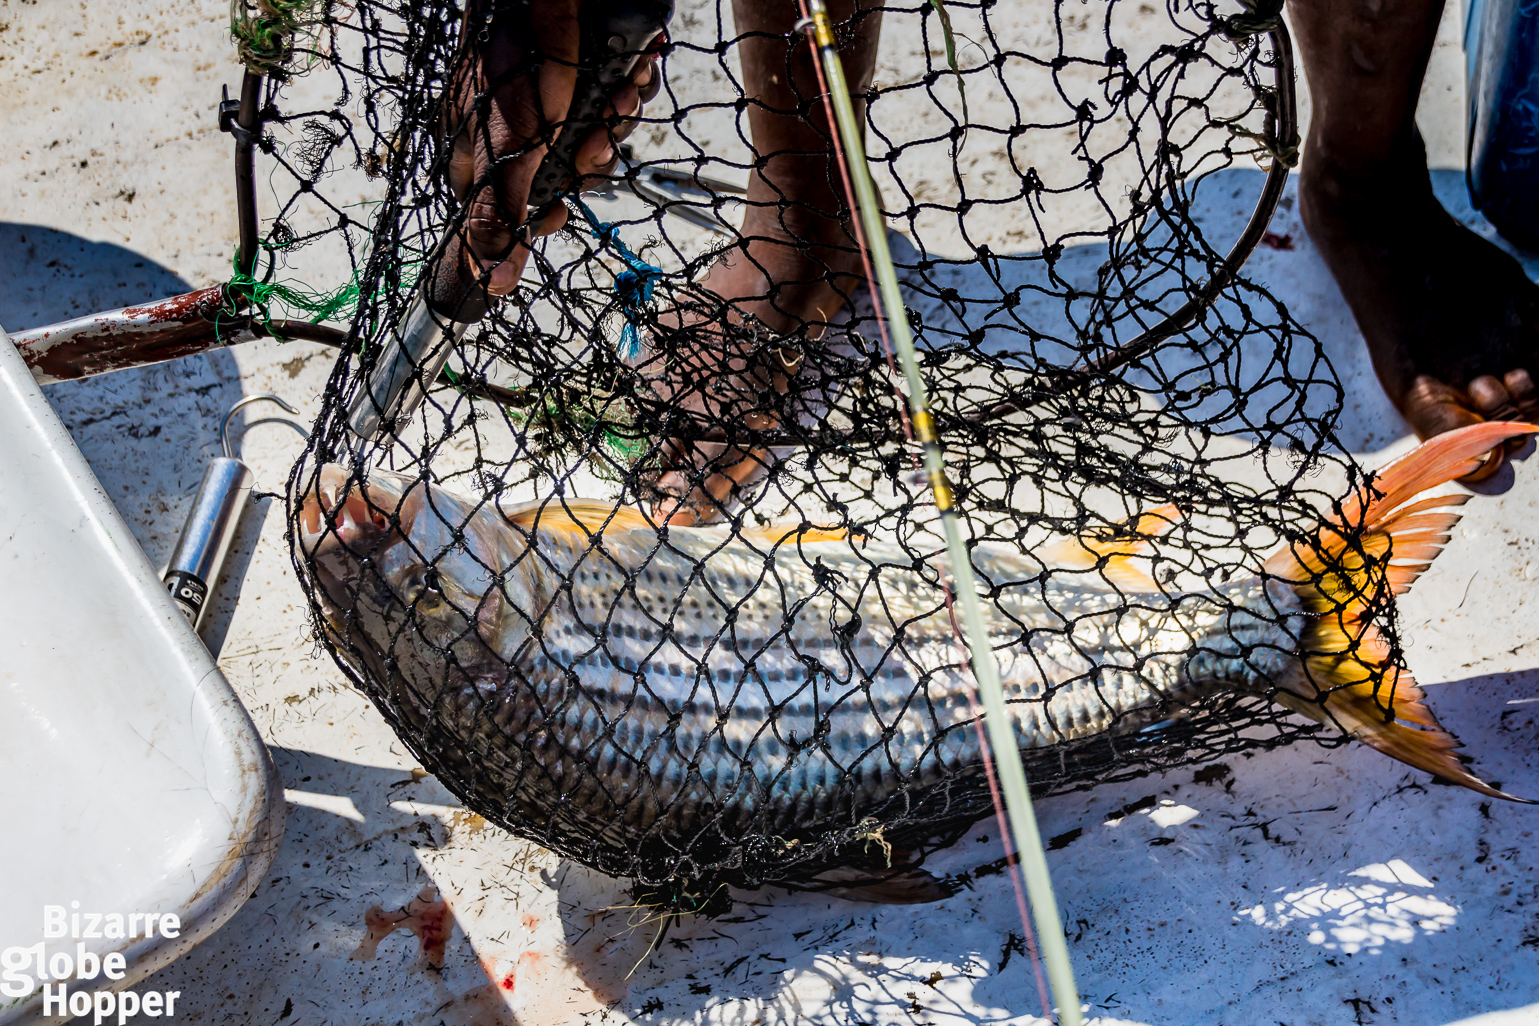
pixel 410 577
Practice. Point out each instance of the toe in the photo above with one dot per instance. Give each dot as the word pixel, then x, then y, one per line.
pixel 1433 407
pixel 1524 404
pixel 706 488
pixel 1489 396
pixel 1525 396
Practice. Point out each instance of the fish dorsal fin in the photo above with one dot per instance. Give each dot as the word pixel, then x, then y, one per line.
pixel 1118 549
pixel 772 535
pixel 590 518
pixel 581 516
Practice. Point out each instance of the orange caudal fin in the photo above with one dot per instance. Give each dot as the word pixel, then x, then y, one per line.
pixel 1114 551
pixel 1347 575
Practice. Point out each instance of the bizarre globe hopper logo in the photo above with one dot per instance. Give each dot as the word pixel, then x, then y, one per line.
pixel 79 982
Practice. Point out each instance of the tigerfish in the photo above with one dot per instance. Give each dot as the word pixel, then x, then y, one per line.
pixel 608 687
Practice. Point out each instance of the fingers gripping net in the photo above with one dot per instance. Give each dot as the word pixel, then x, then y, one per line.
pixel 776 691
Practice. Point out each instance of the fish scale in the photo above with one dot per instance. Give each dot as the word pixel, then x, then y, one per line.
pixel 873 722
pixel 724 719
pixel 666 703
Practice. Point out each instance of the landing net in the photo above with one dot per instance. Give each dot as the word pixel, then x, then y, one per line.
pixel 1063 184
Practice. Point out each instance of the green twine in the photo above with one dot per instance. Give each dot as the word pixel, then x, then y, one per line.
pixel 264 30
pixel 951 55
pixel 569 421
pixel 293 300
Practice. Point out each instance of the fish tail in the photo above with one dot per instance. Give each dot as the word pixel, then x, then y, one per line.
pixel 1347 577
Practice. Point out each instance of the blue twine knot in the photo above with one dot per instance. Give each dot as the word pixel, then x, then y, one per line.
pixel 633 287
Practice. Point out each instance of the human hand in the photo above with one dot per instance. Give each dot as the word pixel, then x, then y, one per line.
pixel 516 82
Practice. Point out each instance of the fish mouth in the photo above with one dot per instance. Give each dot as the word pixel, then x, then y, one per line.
pixel 341 527
pixel 338 512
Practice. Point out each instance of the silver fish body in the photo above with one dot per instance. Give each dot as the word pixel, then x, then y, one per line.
pixel 608 690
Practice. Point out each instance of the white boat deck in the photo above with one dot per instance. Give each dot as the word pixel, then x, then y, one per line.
pixel 1301 887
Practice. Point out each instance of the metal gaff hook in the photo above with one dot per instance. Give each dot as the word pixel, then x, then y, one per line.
pixel 224 428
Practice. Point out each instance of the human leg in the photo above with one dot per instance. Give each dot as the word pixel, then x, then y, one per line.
pixel 790 273
pixel 1451 321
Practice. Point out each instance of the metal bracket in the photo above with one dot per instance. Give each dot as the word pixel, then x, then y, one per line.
pixel 229 110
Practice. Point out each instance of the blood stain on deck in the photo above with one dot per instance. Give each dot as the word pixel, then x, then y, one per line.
pixel 427 915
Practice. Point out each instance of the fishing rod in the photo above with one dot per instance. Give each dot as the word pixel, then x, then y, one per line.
pixel 892 315
pixel 613 36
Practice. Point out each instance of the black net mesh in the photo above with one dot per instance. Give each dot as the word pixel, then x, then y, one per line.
pixel 777 691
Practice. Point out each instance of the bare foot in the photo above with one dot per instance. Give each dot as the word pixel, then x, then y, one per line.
pixel 751 347
pixel 1451 321
pixel 748 348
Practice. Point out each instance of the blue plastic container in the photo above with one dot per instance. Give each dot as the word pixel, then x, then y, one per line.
pixel 1501 46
